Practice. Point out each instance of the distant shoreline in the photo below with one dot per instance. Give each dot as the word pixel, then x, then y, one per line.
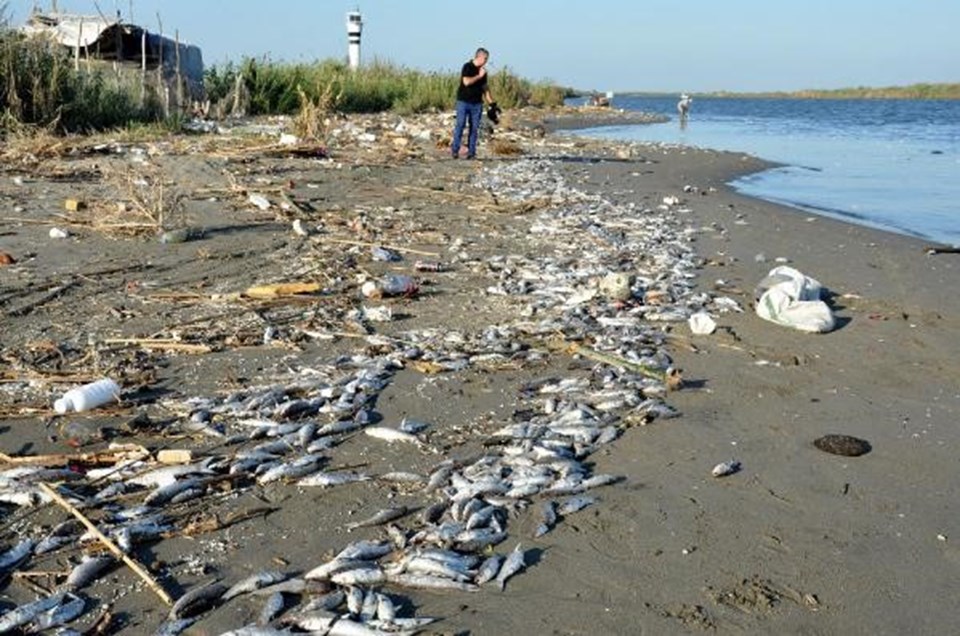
pixel 913 91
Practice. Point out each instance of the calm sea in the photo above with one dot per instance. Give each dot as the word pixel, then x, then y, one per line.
pixel 890 164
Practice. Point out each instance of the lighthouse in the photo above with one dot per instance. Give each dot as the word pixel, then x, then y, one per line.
pixel 354 27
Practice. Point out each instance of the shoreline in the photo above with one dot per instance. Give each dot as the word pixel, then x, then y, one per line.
pixel 797 541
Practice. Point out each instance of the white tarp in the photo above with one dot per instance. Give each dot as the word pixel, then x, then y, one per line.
pixel 792 299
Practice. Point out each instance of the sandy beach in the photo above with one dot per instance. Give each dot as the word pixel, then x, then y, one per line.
pixel 798 541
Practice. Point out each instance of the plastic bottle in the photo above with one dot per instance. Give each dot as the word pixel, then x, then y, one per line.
pixel 392 285
pixel 88 396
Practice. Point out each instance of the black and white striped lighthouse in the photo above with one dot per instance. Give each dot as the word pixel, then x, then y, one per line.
pixel 354 28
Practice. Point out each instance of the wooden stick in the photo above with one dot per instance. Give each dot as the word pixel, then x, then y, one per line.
pixel 62 459
pixel 120 554
pixel 171 345
pixel 395 248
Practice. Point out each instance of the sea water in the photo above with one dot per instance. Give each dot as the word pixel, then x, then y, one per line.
pixel 889 164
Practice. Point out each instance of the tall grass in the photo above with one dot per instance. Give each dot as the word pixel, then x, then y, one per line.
pixel 40 87
pixel 275 87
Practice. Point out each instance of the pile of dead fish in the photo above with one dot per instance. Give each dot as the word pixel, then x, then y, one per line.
pixel 447 538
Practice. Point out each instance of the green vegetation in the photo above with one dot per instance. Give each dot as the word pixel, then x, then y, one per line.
pixel 278 88
pixel 913 91
pixel 40 88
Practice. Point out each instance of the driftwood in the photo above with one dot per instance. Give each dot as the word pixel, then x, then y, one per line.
pixel 99 458
pixel 157 343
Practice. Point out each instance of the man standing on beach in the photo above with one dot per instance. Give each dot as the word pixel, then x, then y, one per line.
pixel 471 93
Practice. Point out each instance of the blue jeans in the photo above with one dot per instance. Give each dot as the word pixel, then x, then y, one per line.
pixel 472 112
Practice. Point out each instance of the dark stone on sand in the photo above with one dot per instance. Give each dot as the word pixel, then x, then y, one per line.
pixel 843 445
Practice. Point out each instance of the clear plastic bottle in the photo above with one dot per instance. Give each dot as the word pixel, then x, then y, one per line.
pixel 88 396
pixel 391 285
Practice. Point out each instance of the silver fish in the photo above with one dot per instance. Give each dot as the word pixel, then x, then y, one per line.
pixel 391 434
pixel 196 600
pixel 299 467
pixel 88 570
pixel 379 518
pixel 327 479
pixel 25 613
pixel 489 569
pixel 335 566
pixel 71 607
pixel 548 518
pixel 427 582
pixel 576 504
pixel 271 608
pixel 367 574
pixel 15 555
pixel 514 563
pixel 253 582
pixel 365 550
pixel 174 627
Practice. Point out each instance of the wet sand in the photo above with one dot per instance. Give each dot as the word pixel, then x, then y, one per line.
pixel 798 541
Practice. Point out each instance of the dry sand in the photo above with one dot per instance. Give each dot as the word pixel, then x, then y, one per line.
pixel 799 541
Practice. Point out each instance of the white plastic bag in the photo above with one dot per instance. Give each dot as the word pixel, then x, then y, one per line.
pixel 793 300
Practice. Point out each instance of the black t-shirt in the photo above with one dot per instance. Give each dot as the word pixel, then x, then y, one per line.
pixel 472 94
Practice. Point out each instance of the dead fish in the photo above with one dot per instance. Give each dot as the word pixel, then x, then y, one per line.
pixel 297 468
pixel 368 609
pixel 254 582
pixel 575 504
pixel 71 607
pixel 23 614
pixel 601 480
pixel 386 608
pixel 271 608
pixel 844 445
pixel 257 630
pixel 88 570
pixel 326 479
pixel 366 574
pixel 15 555
pixel 391 435
pixel 427 582
pixel 197 600
pixel 489 569
pixel 174 627
pixel 365 550
pixel 383 516
pixel 514 563
pixel 335 566
pixel 548 518
pixel 726 468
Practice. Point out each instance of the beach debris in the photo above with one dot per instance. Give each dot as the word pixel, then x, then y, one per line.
pixel 182 235
pixel 88 396
pixel 391 285
pixel 702 324
pixel 308 415
pixel 726 468
pixel 788 297
pixel 379 253
pixel 7 259
pixel 616 286
pixel 845 445
pixel 58 233
pixel 259 201
pixel 941 249
pixel 278 290
pixel 73 205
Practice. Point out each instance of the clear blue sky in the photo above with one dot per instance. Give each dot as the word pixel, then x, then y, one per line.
pixel 669 45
